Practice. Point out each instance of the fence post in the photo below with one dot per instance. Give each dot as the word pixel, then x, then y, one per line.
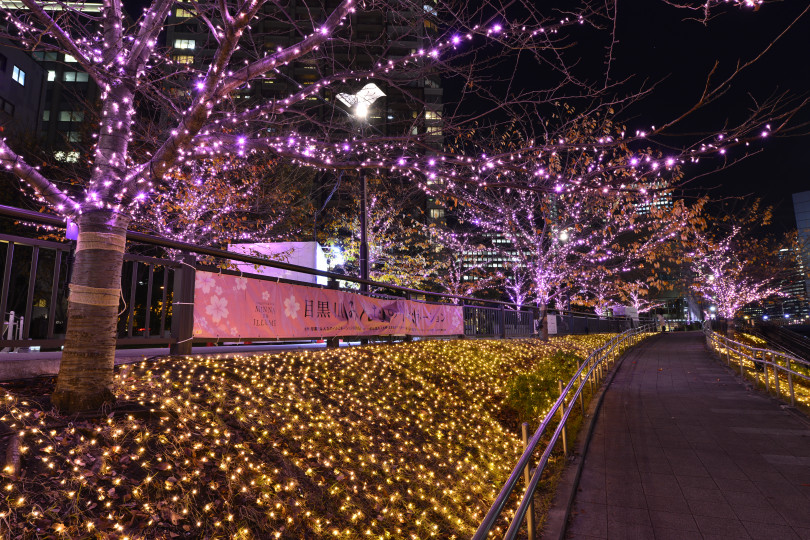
pixel 409 337
pixel 183 306
pixel 790 385
pixel 581 386
pixel 527 476
pixel 502 320
pixel 562 417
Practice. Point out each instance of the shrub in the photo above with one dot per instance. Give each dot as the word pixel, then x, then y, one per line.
pixel 531 394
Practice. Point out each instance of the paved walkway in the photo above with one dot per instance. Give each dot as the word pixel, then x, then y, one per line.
pixel 26 364
pixel 681 450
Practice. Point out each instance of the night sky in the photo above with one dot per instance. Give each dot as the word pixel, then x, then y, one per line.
pixel 656 41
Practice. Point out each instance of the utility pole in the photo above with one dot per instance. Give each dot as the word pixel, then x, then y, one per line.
pixel 363 229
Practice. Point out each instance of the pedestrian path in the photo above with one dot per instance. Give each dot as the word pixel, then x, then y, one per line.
pixel 682 449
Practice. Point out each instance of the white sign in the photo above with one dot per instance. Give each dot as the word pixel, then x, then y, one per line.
pixel 307 254
pixel 552 324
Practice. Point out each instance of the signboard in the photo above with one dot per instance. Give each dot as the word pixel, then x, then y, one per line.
pixel 238 307
pixel 625 311
pixel 309 254
pixel 552 324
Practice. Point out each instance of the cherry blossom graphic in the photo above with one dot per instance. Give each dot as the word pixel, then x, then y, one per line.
pixel 265 295
pixel 291 307
pixel 456 319
pixel 218 290
pixel 217 309
pixel 205 281
pixel 240 284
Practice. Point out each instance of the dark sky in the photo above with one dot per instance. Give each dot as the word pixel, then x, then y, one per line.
pixel 657 41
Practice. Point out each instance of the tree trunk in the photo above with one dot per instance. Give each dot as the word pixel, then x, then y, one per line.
pixel 730 329
pixel 85 378
pixel 544 322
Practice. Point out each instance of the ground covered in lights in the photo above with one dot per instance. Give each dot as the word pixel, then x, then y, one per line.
pixel 390 441
pixel 801 381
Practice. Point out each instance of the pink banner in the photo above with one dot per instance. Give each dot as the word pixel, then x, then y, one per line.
pixel 239 307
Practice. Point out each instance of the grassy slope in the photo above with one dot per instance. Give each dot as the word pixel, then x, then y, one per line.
pixel 389 441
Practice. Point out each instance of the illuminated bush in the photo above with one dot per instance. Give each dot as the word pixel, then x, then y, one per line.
pixel 530 394
pixel 388 441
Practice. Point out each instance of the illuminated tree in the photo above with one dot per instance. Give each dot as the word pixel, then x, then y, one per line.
pixel 207 114
pixel 598 287
pixel 732 267
pixel 517 282
pixel 222 200
pixel 399 251
pixel 636 294
pixel 461 263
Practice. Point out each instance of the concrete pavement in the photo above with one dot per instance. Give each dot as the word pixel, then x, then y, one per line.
pixel 681 449
pixel 27 364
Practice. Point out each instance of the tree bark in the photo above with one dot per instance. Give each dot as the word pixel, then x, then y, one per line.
pixel 544 322
pixel 85 378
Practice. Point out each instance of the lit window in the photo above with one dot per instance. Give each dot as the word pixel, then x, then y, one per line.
pixel 73 136
pixel 434 130
pixel 184 44
pixel 69 58
pixel 180 12
pixel 184 58
pixel 436 213
pixel 18 75
pixel 433 115
pixel 51 76
pixel 75 76
pixel 71 116
pixel 46 116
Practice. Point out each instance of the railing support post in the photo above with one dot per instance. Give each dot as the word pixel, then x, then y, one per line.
pixel 580 381
pixel 562 417
pixel 790 386
pixel 527 476
pixel 502 318
pixel 409 337
pixel 183 306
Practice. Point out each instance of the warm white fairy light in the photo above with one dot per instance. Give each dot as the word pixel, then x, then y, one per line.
pixel 298 443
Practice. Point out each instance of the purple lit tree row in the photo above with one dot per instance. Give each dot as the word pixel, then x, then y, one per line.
pixel 474 45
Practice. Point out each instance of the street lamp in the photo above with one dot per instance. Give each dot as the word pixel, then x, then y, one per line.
pixel 361 101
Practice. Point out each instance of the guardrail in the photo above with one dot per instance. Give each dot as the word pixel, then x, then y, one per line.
pixel 761 364
pixel 591 372
pixel 157 293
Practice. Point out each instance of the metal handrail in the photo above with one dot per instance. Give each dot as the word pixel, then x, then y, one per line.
pixel 594 364
pixel 758 355
pixel 139 237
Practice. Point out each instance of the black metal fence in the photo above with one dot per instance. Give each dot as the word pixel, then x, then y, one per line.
pixel 157 294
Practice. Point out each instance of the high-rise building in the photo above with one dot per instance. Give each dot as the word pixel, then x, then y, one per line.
pixel 407 106
pixel 801 209
pixel 21 93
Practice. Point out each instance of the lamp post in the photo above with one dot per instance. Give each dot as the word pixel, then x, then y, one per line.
pixel 363 232
pixel 360 102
